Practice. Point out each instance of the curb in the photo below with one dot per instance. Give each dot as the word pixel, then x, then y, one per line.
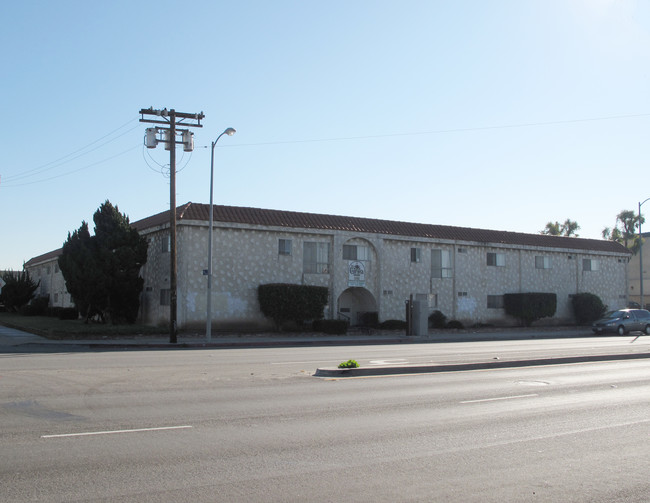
pixel 459 367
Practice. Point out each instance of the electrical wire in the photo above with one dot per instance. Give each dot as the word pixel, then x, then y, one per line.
pixel 71 156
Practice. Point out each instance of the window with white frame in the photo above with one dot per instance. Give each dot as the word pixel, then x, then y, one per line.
pixel 356 252
pixel 284 247
pixel 315 257
pixel 166 244
pixel 590 264
pixel 496 259
pixel 416 254
pixel 495 301
pixel 441 264
pixel 542 262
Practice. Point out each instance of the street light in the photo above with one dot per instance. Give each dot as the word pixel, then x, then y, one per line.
pixel 208 324
pixel 641 256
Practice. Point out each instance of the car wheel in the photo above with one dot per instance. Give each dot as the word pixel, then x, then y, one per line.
pixel 621 330
pixel 647 330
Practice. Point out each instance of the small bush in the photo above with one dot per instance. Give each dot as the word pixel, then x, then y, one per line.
pixel 530 307
pixel 37 307
pixel 392 325
pixel 437 320
pixel 53 312
pixel 587 307
pixel 455 324
pixel 68 313
pixel 370 319
pixel 333 327
pixel 350 364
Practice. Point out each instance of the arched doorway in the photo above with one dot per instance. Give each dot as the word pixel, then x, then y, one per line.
pixel 355 303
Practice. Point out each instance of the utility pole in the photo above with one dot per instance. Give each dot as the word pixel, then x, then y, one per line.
pixel 171 118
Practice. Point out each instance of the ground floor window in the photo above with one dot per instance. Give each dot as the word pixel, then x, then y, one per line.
pixel 495 301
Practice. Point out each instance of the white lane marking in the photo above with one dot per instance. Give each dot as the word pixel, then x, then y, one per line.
pixel 389 362
pixel 500 398
pixel 111 432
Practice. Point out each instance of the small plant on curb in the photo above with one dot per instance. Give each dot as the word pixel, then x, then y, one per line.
pixel 350 364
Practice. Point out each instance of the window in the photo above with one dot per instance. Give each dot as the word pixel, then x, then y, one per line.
pixel 356 252
pixel 462 294
pixel 462 250
pixel 495 301
pixel 284 247
pixel 496 259
pixel 589 264
pixel 441 264
pixel 166 244
pixel 415 254
pixel 315 258
pixel 165 297
pixel 542 262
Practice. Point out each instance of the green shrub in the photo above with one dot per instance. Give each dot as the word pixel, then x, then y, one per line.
pixel 350 364
pixel 530 307
pixel 455 324
pixel 284 302
pixel 333 327
pixel 68 313
pixel 392 325
pixel 17 291
pixel 370 319
pixel 437 320
pixel 587 307
pixel 37 307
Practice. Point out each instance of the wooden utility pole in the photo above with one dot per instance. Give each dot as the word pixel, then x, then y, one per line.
pixel 171 118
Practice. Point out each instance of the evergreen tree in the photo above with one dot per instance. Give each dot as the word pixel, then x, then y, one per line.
pixel 102 271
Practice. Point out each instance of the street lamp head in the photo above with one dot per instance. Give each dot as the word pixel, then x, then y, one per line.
pixel 230 131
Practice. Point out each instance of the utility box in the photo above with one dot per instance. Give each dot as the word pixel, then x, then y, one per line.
pixel 417 319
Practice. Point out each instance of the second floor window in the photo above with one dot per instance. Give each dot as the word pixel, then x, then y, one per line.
pixel 496 259
pixel 542 262
pixel 441 264
pixel 284 247
pixel 415 254
pixel 356 252
pixel 315 258
pixel 590 264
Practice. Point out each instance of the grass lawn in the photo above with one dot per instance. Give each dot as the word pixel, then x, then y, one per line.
pixel 54 328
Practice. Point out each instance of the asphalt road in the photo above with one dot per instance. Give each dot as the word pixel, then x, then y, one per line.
pixel 256 425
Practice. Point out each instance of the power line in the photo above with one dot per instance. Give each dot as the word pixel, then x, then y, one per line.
pixel 71 156
pixel 12 184
pixel 441 131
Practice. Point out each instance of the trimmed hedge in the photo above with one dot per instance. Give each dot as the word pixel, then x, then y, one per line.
pixel 393 325
pixel 332 327
pixel 284 302
pixel 530 307
pixel 437 320
pixel 587 307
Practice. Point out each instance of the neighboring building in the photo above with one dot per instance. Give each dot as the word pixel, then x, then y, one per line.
pixel 634 292
pixel 44 270
pixel 369 266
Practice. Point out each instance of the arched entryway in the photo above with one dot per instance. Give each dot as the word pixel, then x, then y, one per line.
pixel 356 304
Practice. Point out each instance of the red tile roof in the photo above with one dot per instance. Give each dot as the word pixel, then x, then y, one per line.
pixel 299 220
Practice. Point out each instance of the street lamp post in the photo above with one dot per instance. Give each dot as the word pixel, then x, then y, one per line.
pixel 208 324
pixel 641 257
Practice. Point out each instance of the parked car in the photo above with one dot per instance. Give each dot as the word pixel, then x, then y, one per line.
pixel 623 321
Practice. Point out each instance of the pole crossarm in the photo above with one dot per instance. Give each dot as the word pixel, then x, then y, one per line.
pixel 164 113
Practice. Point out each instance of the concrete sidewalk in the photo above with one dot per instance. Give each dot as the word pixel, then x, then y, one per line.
pixel 14 337
pixel 17 341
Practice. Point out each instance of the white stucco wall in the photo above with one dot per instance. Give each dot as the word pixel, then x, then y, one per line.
pixel 246 256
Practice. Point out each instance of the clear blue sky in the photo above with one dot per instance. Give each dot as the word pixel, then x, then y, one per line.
pixel 490 114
